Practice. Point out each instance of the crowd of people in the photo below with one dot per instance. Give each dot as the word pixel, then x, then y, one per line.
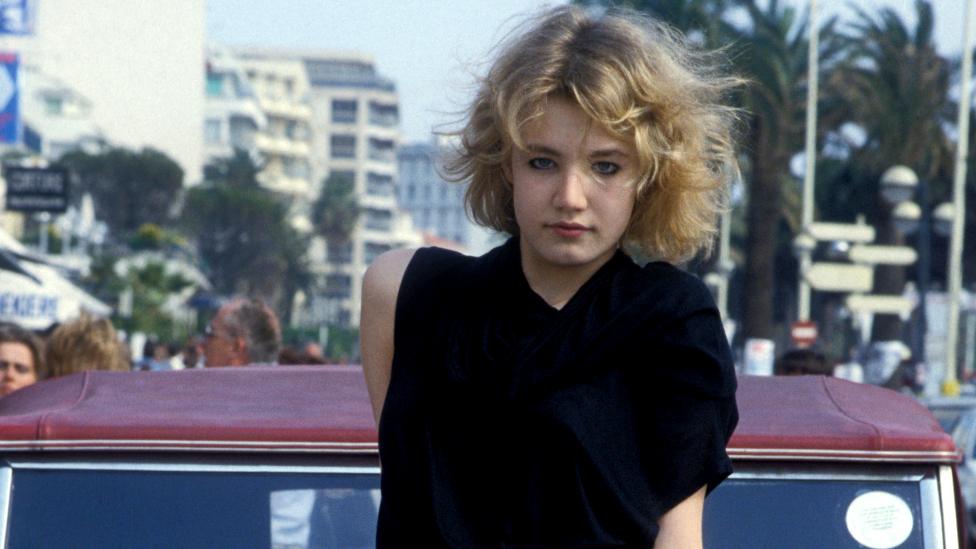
pixel 242 332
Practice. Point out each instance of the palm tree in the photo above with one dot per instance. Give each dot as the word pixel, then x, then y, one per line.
pixel 896 87
pixel 772 53
pixel 336 210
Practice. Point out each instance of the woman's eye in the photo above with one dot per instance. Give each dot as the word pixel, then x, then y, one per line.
pixel 605 168
pixel 541 163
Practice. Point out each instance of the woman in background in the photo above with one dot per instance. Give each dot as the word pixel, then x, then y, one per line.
pixel 21 357
pixel 85 343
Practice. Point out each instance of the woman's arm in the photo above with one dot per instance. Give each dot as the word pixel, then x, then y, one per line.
pixel 381 285
pixel 681 527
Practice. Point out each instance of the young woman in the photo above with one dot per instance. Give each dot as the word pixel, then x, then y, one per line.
pixel 552 392
pixel 21 358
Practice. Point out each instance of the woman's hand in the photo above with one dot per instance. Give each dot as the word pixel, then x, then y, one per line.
pixel 681 527
pixel 381 286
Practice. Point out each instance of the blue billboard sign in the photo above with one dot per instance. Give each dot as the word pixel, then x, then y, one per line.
pixel 16 17
pixel 9 99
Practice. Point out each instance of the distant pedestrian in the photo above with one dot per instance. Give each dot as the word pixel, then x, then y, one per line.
pixel 85 343
pixel 244 331
pixel 799 362
pixel 21 358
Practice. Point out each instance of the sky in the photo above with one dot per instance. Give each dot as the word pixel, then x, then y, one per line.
pixel 433 48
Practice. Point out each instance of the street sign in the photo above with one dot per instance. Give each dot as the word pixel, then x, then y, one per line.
pixel 803 333
pixel 883 304
pixel 882 255
pixel 849 232
pixel 36 189
pixel 840 277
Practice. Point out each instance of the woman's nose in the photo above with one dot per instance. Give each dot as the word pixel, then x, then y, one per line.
pixel 570 194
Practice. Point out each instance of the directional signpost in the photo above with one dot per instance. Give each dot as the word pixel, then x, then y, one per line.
pixel 879 304
pixel 840 277
pixel 882 255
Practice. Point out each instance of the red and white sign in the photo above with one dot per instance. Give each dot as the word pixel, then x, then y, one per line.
pixel 803 333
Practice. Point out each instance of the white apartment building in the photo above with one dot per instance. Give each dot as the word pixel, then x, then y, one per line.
pixel 57 119
pixel 436 206
pixel 356 134
pixel 233 117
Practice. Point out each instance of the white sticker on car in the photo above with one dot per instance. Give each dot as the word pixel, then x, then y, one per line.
pixel 879 520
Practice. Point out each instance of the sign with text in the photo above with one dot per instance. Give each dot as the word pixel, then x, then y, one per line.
pixel 9 99
pixel 17 17
pixel 36 189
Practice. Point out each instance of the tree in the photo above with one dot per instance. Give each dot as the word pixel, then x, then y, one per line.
pixel 243 235
pixel 128 188
pixel 336 210
pixel 895 86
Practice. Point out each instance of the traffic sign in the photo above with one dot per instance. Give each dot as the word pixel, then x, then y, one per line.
pixel 850 232
pixel 36 189
pixel 803 333
pixel 840 277
pixel 882 255
pixel 883 304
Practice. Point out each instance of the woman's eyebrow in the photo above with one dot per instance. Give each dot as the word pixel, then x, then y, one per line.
pixel 613 151
pixel 535 148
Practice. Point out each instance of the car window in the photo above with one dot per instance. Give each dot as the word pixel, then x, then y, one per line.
pixel 85 508
pixel 813 514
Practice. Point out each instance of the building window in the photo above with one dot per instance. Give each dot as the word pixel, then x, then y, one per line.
pixel 297 168
pixel 344 111
pixel 339 254
pixel 381 150
pixel 343 146
pixel 212 130
pixel 372 249
pixel 379 185
pixel 383 115
pixel 338 286
pixel 379 220
pixel 345 175
pixel 215 85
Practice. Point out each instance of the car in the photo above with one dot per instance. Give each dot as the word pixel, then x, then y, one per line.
pixel 964 434
pixel 287 456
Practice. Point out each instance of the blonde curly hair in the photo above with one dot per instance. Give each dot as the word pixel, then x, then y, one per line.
pixel 639 79
pixel 85 343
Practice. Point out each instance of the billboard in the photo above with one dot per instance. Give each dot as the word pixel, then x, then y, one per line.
pixel 9 99
pixel 17 17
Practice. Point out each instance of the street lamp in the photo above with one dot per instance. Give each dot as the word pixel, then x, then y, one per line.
pixel 898 184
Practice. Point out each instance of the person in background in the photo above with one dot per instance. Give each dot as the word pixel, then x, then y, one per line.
pixel 21 358
pixel 798 362
pixel 244 331
pixel 85 343
pixel 191 356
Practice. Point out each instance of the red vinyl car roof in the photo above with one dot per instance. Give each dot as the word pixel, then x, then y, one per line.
pixel 326 409
pixel 288 408
pixel 823 418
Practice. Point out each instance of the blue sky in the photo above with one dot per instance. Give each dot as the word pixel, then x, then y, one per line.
pixel 431 48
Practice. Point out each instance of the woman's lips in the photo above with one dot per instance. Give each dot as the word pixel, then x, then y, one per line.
pixel 569 230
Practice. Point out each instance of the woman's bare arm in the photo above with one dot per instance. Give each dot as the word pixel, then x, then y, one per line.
pixel 681 527
pixel 381 285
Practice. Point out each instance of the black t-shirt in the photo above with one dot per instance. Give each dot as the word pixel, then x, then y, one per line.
pixel 508 423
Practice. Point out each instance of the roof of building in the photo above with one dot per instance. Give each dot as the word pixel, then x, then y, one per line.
pixel 326 409
pixel 824 418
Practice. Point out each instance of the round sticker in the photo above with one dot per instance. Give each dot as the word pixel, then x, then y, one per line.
pixel 879 520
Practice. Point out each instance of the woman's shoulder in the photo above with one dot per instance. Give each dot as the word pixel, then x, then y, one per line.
pixel 675 286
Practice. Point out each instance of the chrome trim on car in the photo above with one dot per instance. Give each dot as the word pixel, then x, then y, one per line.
pixel 194 445
pixel 6 476
pixel 846 455
pixel 826 475
pixel 947 490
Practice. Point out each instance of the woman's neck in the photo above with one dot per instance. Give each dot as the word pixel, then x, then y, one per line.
pixel 557 284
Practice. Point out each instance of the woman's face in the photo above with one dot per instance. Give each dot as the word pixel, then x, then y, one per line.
pixel 18 366
pixel 573 190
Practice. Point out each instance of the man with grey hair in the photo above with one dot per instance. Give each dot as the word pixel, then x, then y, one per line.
pixel 244 331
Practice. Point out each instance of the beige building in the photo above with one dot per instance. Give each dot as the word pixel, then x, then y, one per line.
pixel 138 63
pixel 348 116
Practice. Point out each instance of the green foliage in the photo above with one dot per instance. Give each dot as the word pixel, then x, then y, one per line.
pixel 150 236
pixel 343 345
pixel 336 211
pixel 129 188
pixel 242 234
